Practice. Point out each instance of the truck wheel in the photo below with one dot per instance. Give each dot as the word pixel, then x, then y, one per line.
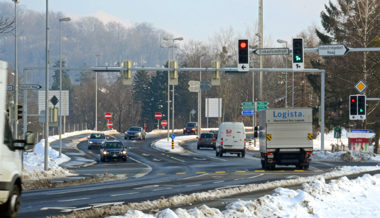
pixel 11 207
pixel 263 164
pixel 221 153
pixel 243 154
pixel 238 154
pixel 306 167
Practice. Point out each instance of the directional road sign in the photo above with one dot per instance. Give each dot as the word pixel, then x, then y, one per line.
pixel 194 86
pixel 271 51
pixel 205 85
pixel 332 50
pixel 172 136
pixel 262 103
pixel 260 108
pixel 29 86
pixel 248 112
pixel 248 105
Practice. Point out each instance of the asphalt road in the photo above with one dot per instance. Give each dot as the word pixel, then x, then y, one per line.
pixel 152 174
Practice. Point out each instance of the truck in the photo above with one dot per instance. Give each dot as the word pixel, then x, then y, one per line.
pixel 285 137
pixel 11 151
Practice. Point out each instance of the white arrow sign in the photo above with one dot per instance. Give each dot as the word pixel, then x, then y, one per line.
pixel 332 50
pixel 194 88
pixel 243 67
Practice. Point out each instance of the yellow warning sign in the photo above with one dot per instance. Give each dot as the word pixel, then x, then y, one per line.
pixel 269 137
pixel 360 86
pixel 310 136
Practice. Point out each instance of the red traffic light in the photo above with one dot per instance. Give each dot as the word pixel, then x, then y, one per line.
pixel 243 44
pixel 353 100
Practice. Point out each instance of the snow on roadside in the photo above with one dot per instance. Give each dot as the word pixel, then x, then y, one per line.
pixel 34 161
pixel 317 198
pixel 165 145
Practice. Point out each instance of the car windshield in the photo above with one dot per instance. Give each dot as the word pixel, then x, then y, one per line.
pixel 113 145
pixel 136 129
pixel 207 135
pixel 190 125
pixel 97 136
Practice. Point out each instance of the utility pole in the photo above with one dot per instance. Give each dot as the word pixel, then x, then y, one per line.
pixel 46 158
pixel 261 46
pixel 16 76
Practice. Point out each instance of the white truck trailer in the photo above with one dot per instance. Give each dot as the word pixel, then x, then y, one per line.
pixel 286 137
pixel 10 156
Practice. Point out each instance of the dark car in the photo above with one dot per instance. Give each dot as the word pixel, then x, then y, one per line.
pixel 113 150
pixel 96 140
pixel 206 140
pixel 135 132
pixel 191 128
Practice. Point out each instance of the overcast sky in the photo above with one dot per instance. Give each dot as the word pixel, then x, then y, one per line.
pixel 196 19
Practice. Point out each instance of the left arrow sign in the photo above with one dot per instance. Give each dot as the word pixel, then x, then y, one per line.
pixel 29 86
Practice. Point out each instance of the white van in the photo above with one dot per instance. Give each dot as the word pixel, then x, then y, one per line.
pixel 231 139
pixel 10 156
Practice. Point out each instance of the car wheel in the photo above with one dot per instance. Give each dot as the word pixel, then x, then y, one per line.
pixel 125 159
pixel 11 207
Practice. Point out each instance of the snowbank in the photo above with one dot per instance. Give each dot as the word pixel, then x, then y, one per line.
pixel 34 161
pixel 316 198
pixel 166 146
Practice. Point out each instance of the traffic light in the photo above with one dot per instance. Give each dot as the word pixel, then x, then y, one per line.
pixel 353 105
pixel 173 74
pixel 215 81
pixel 243 55
pixel 127 74
pixel 362 106
pixel 53 115
pixel 298 62
pixel 19 112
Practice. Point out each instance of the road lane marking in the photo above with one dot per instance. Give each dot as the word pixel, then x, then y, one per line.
pixel 192 177
pixel 220 172
pixel 157 160
pixel 240 171
pixel 130 193
pixel 299 170
pixel 217 159
pixel 145 155
pixel 139 175
pixel 195 185
pixel 259 171
pixel 252 177
pixel 146 187
pixel 162 189
pixel 57 208
pixel 218 182
pixel 75 199
pixel 195 158
pixel 181 173
pixel 178 159
pixel 161 174
pixel 200 173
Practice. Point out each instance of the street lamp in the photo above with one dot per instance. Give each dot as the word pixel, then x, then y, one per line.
pixel 64 19
pixel 172 47
pixel 16 74
pixel 200 96
pixel 286 74
pixel 96 93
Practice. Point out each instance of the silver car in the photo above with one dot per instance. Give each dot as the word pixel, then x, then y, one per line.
pixel 206 140
pixel 96 140
pixel 135 132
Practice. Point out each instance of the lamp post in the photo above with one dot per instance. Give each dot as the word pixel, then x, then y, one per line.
pixel 96 94
pixel 286 74
pixel 64 19
pixel 46 153
pixel 16 75
pixel 172 46
pixel 200 97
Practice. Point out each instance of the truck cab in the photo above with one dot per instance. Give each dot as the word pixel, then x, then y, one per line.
pixel 10 157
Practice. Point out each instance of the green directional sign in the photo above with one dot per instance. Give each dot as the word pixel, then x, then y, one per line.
pixel 261 107
pixel 248 105
pixel 262 103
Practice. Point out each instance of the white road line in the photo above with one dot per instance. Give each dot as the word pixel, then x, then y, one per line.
pixel 162 189
pixel 192 177
pixel 218 159
pixel 130 193
pixel 145 187
pixel 194 185
pixel 218 182
pixel 178 159
pixel 75 199
pixel 252 177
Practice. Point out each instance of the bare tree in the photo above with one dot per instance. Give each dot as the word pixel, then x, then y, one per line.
pixel 6 25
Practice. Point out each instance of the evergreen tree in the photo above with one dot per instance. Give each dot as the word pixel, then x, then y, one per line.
pixel 66 82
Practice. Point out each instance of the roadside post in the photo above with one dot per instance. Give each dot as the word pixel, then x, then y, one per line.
pixel 172 136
